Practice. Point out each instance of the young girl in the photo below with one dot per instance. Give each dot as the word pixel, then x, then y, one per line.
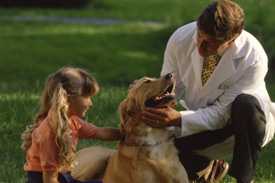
pixel 50 142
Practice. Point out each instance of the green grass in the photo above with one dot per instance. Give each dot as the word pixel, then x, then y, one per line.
pixel 111 52
pixel 116 55
pixel 259 14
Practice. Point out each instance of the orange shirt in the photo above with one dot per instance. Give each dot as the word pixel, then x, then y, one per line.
pixel 43 153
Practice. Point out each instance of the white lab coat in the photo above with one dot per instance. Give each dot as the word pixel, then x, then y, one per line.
pixel 242 69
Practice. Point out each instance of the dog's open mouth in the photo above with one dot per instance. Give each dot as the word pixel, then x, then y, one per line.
pixel 163 99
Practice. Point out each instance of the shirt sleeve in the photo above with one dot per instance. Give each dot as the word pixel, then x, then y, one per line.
pixel 86 130
pixel 48 151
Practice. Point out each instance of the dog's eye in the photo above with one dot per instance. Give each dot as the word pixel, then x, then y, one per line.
pixel 147 81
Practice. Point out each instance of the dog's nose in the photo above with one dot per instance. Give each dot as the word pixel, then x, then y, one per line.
pixel 168 76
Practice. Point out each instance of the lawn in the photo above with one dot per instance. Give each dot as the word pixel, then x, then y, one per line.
pixel 115 54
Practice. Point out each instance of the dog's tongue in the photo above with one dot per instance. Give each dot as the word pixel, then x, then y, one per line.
pixel 162 101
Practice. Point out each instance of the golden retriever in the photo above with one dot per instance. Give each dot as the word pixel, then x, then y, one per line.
pixel 146 155
pixel 90 163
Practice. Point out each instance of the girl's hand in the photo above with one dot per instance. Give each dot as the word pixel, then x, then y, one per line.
pixel 108 134
pixel 50 177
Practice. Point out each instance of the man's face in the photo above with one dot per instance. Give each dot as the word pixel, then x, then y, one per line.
pixel 208 45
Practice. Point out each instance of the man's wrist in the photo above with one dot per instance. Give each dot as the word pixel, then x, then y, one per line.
pixel 176 122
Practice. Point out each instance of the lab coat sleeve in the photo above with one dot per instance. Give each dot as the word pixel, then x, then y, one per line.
pixel 213 116
pixel 169 63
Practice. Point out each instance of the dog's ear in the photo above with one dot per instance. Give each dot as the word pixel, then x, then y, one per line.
pixel 123 110
pixel 127 108
pixel 123 115
pixel 133 84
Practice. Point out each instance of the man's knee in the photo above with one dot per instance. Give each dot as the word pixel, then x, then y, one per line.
pixel 246 114
pixel 244 105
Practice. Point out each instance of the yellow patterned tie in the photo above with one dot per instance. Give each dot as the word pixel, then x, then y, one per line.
pixel 209 65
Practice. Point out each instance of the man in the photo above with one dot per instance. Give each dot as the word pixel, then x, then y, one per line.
pixel 219 70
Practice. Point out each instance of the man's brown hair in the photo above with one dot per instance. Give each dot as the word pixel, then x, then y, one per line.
pixel 222 19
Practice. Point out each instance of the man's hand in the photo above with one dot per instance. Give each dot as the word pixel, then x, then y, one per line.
pixel 161 117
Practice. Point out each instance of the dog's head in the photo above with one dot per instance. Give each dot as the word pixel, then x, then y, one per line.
pixel 148 92
pixel 151 92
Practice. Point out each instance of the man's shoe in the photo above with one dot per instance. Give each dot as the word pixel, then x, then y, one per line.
pixel 219 170
pixel 214 172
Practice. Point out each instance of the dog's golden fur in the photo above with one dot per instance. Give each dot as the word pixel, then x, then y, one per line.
pixel 146 155
pixel 90 163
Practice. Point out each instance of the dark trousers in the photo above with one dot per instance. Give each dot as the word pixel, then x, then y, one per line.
pixel 36 177
pixel 247 124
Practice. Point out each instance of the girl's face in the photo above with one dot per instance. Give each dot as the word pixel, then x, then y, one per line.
pixel 79 105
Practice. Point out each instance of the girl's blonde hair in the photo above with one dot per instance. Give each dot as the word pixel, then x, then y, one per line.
pixel 67 81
